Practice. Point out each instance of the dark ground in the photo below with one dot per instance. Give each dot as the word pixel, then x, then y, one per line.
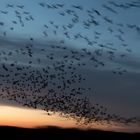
pixel 62 134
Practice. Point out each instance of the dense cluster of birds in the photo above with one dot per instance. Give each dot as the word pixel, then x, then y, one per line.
pixel 47 76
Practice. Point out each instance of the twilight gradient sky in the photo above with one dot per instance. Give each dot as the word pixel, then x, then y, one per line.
pixel 109 30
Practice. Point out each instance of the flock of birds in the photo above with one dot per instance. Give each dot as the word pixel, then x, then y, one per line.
pixel 49 77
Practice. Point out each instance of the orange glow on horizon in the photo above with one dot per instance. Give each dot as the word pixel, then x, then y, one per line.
pixel 31 118
pixel 24 117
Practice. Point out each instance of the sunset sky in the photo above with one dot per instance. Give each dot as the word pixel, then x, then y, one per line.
pixel 31 118
pixel 80 58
